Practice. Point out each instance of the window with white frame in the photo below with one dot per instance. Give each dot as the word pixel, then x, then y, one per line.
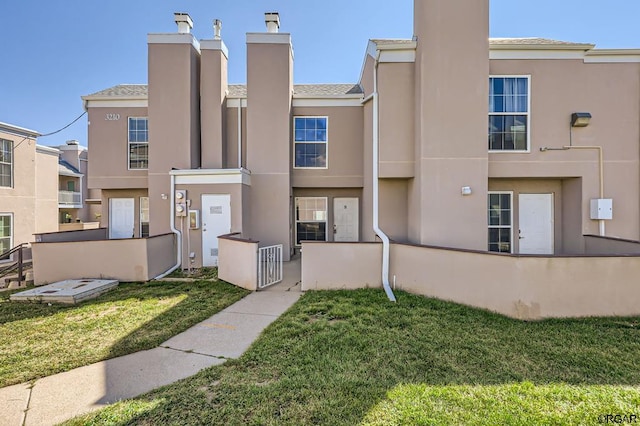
pixel 499 221
pixel 6 163
pixel 5 233
pixel 509 113
pixel 144 217
pixel 310 142
pixel 311 219
pixel 138 143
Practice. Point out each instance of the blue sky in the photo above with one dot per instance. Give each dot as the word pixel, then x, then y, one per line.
pixel 56 51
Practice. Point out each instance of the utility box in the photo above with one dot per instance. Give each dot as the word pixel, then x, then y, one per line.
pixel 602 208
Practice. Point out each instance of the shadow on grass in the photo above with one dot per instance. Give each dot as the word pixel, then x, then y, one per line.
pixel 336 356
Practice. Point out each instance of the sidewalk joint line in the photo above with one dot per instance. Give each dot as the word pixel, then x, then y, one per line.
pixel 24 413
pixel 193 352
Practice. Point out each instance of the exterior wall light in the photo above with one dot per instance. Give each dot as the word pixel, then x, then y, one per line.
pixel 466 190
pixel 580 119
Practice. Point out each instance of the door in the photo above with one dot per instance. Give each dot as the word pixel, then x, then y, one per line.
pixel 345 219
pixel 121 218
pixel 216 221
pixel 536 223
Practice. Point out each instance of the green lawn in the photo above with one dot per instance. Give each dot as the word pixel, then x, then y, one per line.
pixel 38 340
pixel 354 358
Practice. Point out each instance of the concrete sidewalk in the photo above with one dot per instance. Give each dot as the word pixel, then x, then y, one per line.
pixel 227 334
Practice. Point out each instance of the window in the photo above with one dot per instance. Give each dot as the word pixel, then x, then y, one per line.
pixel 310 142
pixel 508 113
pixel 144 217
pixel 6 163
pixel 138 143
pixel 500 214
pixel 311 219
pixel 5 233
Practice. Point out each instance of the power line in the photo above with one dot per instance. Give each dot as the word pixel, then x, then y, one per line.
pixel 51 133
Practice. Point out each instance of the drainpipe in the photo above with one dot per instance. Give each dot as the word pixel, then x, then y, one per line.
pixel 376 226
pixel 174 230
pixel 240 133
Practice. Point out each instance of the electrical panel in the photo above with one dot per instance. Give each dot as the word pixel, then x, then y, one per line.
pixel 602 208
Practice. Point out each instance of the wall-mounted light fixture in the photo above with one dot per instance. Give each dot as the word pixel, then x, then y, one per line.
pixel 465 190
pixel 580 119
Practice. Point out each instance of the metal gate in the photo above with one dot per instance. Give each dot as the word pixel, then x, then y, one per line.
pixel 269 266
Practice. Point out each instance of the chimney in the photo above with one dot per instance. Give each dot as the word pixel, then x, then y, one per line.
pixel 185 24
pixel 272 19
pixel 72 142
pixel 217 27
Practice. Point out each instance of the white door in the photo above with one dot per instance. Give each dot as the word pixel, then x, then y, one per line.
pixel 121 218
pixel 536 223
pixel 345 219
pixel 216 221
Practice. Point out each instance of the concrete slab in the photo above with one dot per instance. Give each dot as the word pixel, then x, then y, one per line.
pixel 67 291
pixel 60 397
pixel 273 303
pixel 13 403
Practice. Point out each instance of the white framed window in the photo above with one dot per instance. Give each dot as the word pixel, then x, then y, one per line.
pixel 144 217
pixel 500 220
pixel 311 219
pixel 509 106
pixel 6 232
pixel 138 143
pixel 6 163
pixel 310 142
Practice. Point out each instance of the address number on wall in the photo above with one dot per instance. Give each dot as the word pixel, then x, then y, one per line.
pixel 112 117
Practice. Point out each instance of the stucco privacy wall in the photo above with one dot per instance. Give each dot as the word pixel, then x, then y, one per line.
pixel 598 245
pixel 125 260
pixel 236 255
pixel 524 287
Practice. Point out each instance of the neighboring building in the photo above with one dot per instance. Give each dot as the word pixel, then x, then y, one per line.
pixel 28 188
pixel 467 130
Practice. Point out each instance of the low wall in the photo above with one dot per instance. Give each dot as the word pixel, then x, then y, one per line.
pixel 238 261
pixel 96 234
pixel 125 260
pixel 524 287
pixel 78 226
pixel 595 244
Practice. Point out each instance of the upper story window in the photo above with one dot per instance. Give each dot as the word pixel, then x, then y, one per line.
pixel 138 143
pixel 310 142
pixel 509 113
pixel 6 163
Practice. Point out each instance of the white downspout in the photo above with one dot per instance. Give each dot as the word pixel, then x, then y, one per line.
pixel 174 230
pixel 376 227
pixel 240 133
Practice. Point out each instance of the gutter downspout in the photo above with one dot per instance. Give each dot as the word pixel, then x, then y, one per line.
pixel 174 230
pixel 240 133
pixel 376 226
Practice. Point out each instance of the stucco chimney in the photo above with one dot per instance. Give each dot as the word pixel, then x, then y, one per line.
pixel 272 19
pixel 72 142
pixel 185 24
pixel 217 28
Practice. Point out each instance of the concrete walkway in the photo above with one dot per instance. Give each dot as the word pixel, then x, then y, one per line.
pixel 227 334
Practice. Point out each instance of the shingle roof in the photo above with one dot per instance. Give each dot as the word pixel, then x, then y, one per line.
pixel 235 90
pixel 515 41
pixel 64 168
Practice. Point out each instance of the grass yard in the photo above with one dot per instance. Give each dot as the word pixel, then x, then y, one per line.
pixel 354 358
pixel 38 340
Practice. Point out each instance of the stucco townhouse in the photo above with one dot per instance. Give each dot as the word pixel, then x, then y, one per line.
pixel 522 146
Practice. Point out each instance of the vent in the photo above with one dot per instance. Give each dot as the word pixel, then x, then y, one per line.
pixel 214 252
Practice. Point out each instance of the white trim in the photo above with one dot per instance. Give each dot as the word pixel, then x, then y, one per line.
pixel 327 102
pixel 11 228
pixel 600 56
pixel 43 149
pixel 397 56
pixel 520 54
pixel 326 142
pixel 18 131
pixel 236 102
pixel 269 38
pixel 173 38
pixel 215 45
pixel 501 227
pixel 119 102
pixel 139 143
pixel 296 221
pixel 528 114
pixel 212 176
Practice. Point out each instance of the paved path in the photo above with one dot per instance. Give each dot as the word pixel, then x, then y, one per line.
pixel 227 334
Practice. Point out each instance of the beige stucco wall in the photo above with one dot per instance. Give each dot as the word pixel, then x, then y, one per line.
pixel 344 149
pixel 231 144
pixel 124 260
pixel 213 87
pixel 235 259
pixel 109 149
pixel 602 245
pixel 524 287
pixel 449 154
pixel 46 191
pixel 610 92
pixel 393 209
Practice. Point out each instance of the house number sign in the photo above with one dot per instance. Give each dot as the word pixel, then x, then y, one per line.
pixel 112 117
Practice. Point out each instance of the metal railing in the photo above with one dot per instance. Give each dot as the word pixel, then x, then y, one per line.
pixel 10 265
pixel 269 265
pixel 69 198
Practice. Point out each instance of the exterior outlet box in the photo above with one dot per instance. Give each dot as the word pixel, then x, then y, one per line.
pixel 602 208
